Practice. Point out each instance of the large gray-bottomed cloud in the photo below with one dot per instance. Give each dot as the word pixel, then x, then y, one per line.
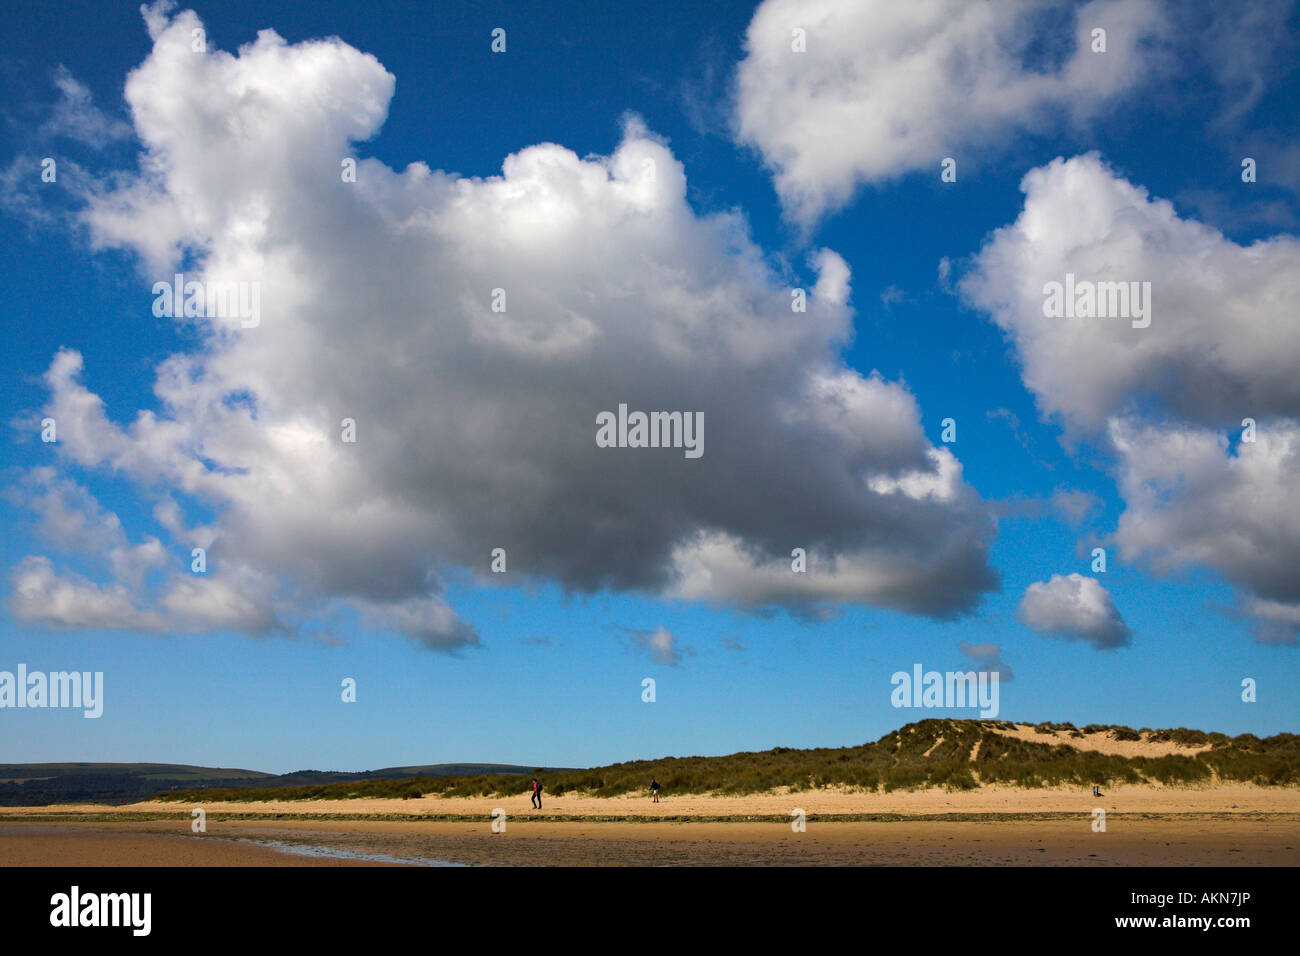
pixel 474 329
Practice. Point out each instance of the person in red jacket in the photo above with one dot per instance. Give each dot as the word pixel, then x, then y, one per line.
pixel 537 793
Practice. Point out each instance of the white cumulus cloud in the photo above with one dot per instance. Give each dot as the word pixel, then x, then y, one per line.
pixel 887 88
pixel 1076 608
pixel 1223 336
pixel 1162 401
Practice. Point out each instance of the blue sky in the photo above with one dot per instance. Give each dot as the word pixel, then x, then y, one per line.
pixel 544 664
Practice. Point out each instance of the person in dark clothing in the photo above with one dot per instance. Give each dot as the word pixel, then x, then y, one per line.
pixel 654 789
pixel 537 793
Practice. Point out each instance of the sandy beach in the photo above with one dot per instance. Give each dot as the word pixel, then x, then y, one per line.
pixel 774 805
pixel 1145 842
pixel 991 826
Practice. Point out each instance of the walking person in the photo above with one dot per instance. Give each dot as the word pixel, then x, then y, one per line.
pixel 654 790
pixel 537 793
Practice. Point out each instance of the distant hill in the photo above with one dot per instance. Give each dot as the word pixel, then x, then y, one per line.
pixel 41 784
pixel 957 754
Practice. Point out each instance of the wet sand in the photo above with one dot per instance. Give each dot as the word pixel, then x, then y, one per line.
pixel 1136 841
pixel 63 845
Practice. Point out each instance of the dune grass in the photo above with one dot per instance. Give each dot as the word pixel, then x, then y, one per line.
pixel 930 753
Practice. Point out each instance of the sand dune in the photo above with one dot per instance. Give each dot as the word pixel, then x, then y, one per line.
pixel 1103 742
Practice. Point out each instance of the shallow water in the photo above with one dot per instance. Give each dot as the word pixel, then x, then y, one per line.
pixel 316 850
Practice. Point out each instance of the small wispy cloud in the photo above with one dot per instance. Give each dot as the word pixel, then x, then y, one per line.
pixel 662 646
pixel 76 117
pixel 988 656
